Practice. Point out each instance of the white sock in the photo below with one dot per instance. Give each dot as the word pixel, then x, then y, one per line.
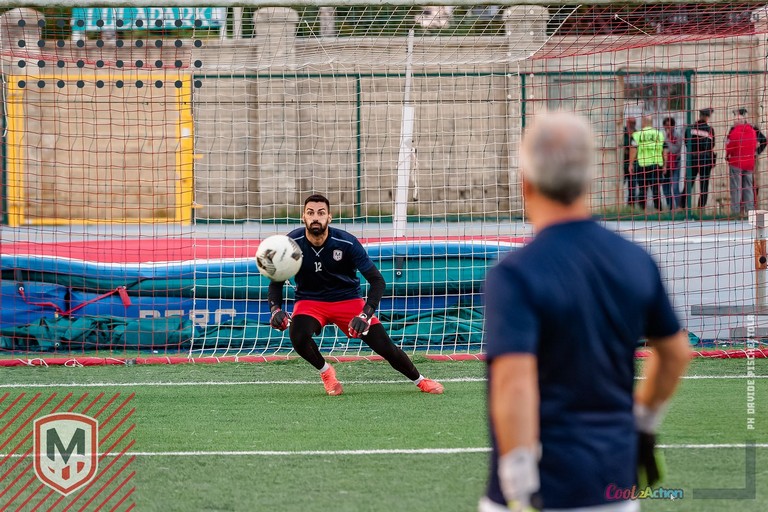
pixel 325 367
pixel 421 378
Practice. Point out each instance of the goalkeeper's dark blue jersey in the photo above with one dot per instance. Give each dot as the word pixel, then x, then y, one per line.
pixel 329 273
pixel 580 298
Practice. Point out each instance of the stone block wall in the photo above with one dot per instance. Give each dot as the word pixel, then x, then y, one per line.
pixel 277 117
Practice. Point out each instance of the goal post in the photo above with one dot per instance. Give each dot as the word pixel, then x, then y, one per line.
pixel 150 146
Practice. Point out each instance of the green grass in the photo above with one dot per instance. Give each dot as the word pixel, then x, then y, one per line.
pixel 244 415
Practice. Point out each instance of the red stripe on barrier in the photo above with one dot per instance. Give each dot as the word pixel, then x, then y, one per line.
pixel 185 249
pixel 757 353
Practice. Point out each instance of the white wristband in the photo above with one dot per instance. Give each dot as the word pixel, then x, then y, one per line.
pixel 647 420
pixel 519 475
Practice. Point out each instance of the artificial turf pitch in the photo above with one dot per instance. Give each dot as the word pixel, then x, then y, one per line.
pixel 255 437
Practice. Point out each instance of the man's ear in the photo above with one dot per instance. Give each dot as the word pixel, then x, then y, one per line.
pixel 527 188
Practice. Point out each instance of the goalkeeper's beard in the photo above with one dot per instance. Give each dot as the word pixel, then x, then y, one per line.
pixel 317 229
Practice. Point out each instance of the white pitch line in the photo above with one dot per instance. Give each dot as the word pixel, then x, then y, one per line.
pixel 286 453
pixel 283 453
pixel 711 446
pixel 397 451
pixel 392 451
pixel 716 377
pixel 223 383
pixel 295 382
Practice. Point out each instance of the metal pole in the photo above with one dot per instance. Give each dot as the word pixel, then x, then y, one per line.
pixel 359 146
pixel 237 23
pixel 405 157
pixel 758 219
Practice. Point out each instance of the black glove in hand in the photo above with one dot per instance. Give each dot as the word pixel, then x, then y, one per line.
pixel 280 319
pixel 650 462
pixel 359 325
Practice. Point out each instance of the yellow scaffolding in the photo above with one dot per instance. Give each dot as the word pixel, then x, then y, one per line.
pixel 15 171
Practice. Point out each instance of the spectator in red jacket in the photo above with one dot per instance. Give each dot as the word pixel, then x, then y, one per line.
pixel 740 149
pixel 762 143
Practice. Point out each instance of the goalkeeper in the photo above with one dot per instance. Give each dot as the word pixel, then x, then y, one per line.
pixel 328 291
pixel 563 319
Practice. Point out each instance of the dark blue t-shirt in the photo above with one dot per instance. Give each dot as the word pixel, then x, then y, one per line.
pixel 579 297
pixel 329 273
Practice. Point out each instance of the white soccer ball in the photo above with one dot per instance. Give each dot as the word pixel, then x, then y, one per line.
pixel 278 257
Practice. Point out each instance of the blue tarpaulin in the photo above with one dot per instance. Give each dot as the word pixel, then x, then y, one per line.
pixel 433 296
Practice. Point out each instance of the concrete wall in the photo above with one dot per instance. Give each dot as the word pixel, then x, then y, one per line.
pixel 277 117
pixel 325 115
pixel 78 166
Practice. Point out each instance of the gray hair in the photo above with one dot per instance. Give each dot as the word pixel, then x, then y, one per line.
pixel 557 156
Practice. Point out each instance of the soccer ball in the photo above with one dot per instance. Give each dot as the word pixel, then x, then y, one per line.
pixel 278 257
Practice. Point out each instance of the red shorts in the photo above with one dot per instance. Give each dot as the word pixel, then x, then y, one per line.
pixel 339 313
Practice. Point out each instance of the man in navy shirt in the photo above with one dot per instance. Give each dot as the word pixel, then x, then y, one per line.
pixel 328 291
pixel 700 144
pixel 563 318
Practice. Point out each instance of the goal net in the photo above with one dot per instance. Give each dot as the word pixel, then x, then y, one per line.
pixel 148 150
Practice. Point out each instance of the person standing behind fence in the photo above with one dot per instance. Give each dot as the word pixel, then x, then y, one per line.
pixel 673 144
pixel 648 150
pixel 762 143
pixel 629 176
pixel 740 151
pixel 700 143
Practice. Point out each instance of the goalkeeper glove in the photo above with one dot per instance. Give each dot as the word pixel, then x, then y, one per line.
pixel 359 325
pixel 519 477
pixel 280 319
pixel 650 460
